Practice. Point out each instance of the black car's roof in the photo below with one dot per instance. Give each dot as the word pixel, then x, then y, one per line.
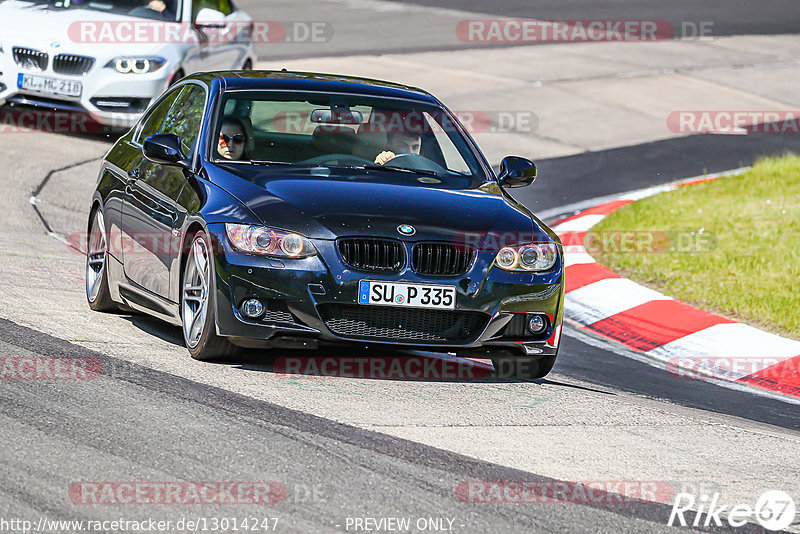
pixel 312 81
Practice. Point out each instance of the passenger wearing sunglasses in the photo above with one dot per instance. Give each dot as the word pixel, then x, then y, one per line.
pixel 232 139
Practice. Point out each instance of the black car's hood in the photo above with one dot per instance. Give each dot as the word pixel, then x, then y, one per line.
pixel 334 206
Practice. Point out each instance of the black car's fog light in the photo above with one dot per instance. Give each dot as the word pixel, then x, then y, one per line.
pixel 252 308
pixel 536 324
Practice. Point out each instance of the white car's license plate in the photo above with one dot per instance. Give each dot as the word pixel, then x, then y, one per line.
pixel 408 295
pixel 53 86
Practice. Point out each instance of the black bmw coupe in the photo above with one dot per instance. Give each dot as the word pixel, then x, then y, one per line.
pixel 296 210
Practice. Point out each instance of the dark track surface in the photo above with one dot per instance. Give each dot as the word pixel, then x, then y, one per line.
pixel 729 17
pixel 133 422
pixel 584 176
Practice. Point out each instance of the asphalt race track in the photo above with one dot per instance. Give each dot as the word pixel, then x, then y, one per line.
pixel 402 28
pixel 345 449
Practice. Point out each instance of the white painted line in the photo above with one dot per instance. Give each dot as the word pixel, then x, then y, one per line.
pixel 577 257
pixel 649 192
pixel 601 342
pixel 598 300
pixel 730 340
pixel 752 348
pixel 581 224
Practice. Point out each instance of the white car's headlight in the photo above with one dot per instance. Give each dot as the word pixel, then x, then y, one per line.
pixel 530 257
pixel 136 65
pixel 268 241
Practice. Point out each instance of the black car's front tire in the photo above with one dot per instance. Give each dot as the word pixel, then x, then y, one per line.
pixel 197 311
pixel 528 367
pixel 97 293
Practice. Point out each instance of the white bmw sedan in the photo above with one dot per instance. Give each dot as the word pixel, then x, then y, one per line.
pixel 110 58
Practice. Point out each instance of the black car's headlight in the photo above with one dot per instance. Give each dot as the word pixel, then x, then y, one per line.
pixel 136 65
pixel 530 257
pixel 267 241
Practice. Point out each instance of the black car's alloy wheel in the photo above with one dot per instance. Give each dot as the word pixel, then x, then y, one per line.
pixel 97 292
pixel 197 315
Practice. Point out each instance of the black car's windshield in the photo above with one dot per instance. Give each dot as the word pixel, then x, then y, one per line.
pixel 342 130
pixel 167 10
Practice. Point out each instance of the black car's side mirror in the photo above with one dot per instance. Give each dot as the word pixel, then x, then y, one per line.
pixel 516 172
pixel 165 149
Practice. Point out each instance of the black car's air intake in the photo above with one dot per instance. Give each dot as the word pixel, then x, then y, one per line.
pixel 372 255
pixel 398 325
pixel 442 259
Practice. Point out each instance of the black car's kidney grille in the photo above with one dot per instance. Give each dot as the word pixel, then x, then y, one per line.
pixel 372 255
pixel 28 58
pixel 441 259
pixel 396 324
pixel 70 64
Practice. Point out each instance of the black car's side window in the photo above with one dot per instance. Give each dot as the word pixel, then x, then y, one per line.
pixel 185 116
pixel 152 123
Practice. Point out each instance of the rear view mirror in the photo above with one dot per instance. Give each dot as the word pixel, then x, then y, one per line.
pixel 209 18
pixel 326 116
pixel 165 149
pixel 516 172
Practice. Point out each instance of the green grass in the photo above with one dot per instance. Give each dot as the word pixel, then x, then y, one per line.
pixel 750 228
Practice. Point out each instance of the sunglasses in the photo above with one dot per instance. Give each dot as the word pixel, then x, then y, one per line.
pixel 237 138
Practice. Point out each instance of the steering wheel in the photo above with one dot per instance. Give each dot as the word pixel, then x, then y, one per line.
pixel 415 162
pixel 336 159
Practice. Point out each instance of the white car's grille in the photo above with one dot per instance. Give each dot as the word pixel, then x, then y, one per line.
pixel 30 59
pixel 71 64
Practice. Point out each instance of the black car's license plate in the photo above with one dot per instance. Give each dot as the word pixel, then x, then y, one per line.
pixel 407 295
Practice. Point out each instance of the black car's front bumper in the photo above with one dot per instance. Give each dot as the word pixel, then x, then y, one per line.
pixel 301 294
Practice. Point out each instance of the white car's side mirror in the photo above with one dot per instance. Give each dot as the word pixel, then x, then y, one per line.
pixel 209 18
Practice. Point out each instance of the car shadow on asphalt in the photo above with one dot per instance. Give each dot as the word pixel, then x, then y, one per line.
pixel 398 366
pixel 155 327
pixel 354 362
pixel 22 118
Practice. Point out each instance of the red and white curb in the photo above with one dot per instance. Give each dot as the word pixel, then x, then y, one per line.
pixel 691 342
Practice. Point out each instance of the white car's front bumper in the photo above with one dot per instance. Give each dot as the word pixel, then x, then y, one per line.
pixel 107 97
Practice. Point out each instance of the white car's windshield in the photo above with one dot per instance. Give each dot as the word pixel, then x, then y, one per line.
pixel 167 10
pixel 338 130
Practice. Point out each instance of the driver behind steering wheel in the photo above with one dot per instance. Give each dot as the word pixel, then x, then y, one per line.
pixel 399 143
